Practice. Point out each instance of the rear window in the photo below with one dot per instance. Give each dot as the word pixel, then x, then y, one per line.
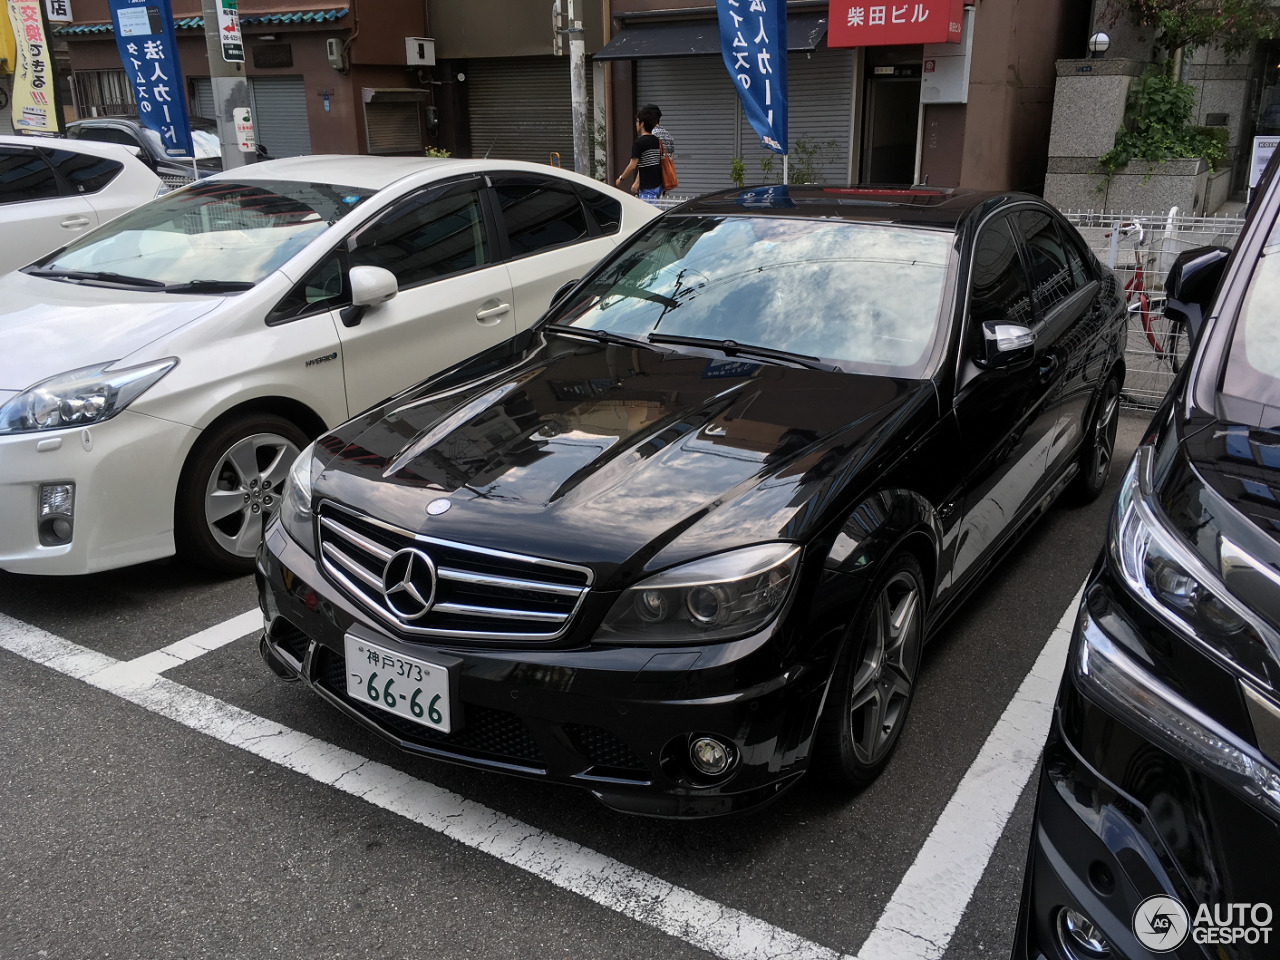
pixel 85 172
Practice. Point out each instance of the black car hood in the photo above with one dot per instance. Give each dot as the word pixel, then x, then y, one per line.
pixel 611 455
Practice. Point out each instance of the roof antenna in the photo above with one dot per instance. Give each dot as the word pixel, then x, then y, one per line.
pixel 491 145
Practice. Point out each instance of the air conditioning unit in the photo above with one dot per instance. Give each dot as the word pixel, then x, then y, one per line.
pixel 420 51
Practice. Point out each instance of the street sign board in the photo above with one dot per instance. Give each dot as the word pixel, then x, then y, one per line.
pixel 244 129
pixel 882 23
pixel 229 32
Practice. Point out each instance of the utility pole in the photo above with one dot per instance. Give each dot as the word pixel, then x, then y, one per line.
pixel 578 81
pixel 230 88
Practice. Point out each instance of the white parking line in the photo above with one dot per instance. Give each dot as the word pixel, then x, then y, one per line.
pixel 917 924
pixel 922 916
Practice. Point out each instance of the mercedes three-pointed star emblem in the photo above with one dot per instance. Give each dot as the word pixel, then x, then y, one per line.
pixel 409 584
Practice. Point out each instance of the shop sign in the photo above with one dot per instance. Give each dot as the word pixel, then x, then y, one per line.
pixel 883 23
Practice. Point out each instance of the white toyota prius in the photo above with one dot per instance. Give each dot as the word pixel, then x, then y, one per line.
pixel 160 373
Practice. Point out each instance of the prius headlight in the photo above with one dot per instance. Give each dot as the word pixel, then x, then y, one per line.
pixel 295 500
pixel 1176 583
pixel 728 595
pixel 80 398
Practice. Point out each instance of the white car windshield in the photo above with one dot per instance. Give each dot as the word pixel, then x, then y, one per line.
pixel 866 295
pixel 212 232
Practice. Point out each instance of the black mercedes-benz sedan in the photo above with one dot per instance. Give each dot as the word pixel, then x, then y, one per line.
pixel 1157 825
pixel 685 537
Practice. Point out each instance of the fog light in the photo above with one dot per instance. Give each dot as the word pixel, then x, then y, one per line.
pixel 1081 939
pixel 57 513
pixel 710 757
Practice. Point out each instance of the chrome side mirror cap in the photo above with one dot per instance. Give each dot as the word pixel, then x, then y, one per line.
pixel 1006 345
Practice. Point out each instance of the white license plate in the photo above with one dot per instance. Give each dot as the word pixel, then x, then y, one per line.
pixel 414 689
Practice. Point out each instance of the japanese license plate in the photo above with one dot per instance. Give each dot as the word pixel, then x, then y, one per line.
pixel 414 689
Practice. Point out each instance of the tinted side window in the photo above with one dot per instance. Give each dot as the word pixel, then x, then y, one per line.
pixel 606 210
pixel 24 175
pixel 85 173
pixel 324 288
pixel 539 214
pixel 431 234
pixel 999 290
pixel 1051 275
pixel 107 135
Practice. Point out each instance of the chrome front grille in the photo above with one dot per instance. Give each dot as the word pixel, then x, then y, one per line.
pixel 473 593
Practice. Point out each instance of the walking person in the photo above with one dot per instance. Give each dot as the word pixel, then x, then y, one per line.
pixel 661 132
pixel 646 157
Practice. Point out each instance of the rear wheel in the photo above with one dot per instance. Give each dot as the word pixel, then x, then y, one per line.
pixel 875 678
pixel 231 477
pixel 1100 443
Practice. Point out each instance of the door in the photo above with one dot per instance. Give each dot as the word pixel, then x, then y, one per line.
pixel 548 239
pixel 454 296
pixel 35 216
pixel 1006 417
pixel 893 110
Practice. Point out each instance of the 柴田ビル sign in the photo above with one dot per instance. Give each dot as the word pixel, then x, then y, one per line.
pixel 859 23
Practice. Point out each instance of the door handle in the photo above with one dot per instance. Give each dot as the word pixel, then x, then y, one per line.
pixel 490 315
pixel 75 223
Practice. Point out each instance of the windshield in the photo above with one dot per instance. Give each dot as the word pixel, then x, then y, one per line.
pixel 213 231
pixel 1253 366
pixel 205 143
pixel 865 295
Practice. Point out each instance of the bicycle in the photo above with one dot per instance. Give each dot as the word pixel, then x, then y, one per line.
pixel 1158 344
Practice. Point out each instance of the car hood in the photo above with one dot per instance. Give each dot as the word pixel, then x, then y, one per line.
pixel 49 326
pixel 613 455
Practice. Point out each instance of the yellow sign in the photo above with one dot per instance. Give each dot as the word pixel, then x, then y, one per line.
pixel 34 100
pixel 8 52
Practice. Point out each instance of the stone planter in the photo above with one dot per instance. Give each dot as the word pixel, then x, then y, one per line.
pixel 1140 187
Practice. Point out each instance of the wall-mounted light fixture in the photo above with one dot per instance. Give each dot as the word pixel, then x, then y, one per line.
pixel 1099 43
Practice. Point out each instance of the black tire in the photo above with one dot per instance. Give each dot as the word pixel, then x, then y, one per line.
pixel 1099 445
pixel 874 680
pixel 234 472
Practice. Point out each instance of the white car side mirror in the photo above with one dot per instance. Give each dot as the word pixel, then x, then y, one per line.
pixel 371 286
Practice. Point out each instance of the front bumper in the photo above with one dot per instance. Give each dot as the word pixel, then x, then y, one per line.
pixel 1119 819
pixel 126 473
pixel 614 720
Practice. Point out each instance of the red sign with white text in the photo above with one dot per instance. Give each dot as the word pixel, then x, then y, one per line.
pixel 882 23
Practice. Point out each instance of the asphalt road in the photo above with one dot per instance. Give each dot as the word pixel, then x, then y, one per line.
pixel 190 805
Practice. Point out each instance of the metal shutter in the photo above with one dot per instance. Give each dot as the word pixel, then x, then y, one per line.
pixel 393 127
pixel 522 109
pixel 820 107
pixel 202 103
pixel 280 116
pixel 699 107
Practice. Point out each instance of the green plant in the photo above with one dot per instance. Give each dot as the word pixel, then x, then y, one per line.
pixel 437 152
pixel 1231 25
pixel 738 172
pixel 1158 125
pixel 803 163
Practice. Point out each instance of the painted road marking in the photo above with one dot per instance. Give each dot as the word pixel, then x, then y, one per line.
pixel 917 924
pixel 921 917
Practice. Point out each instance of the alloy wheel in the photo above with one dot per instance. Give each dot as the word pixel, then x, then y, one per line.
pixel 244 482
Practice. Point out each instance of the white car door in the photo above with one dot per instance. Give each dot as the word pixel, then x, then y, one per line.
pixel 454 298
pixel 34 217
pixel 550 239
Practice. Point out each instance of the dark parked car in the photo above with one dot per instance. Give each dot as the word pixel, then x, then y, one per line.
pixel 686 538
pixel 174 172
pixel 1157 826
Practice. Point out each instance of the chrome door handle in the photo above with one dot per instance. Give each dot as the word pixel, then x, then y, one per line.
pixel 75 223
pixel 492 313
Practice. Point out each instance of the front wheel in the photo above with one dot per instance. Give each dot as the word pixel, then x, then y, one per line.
pixel 231 477
pixel 875 678
pixel 1100 443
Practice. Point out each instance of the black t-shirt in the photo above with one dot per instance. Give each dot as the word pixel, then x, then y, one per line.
pixel 645 152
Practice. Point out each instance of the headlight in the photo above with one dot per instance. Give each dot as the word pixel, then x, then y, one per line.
pixel 80 397
pixel 295 501
pixel 1176 584
pixel 728 595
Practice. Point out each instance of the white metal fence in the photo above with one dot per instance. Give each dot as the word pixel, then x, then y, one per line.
pixel 1141 256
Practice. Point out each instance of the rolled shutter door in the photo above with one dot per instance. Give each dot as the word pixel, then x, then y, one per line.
pixel 393 127
pixel 522 109
pixel 280 115
pixel 699 108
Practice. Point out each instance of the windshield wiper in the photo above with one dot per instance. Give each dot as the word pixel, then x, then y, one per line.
pixel 604 336
pixel 209 286
pixel 732 348
pixel 98 276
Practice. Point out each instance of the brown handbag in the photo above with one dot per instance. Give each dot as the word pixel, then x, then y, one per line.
pixel 669 181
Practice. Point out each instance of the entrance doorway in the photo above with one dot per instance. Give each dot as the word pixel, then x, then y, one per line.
pixel 892 122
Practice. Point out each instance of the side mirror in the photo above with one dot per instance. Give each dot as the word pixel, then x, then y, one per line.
pixel 370 286
pixel 562 293
pixel 1193 280
pixel 1006 346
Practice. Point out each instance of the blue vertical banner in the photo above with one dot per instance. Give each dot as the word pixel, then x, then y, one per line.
pixel 753 42
pixel 149 51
